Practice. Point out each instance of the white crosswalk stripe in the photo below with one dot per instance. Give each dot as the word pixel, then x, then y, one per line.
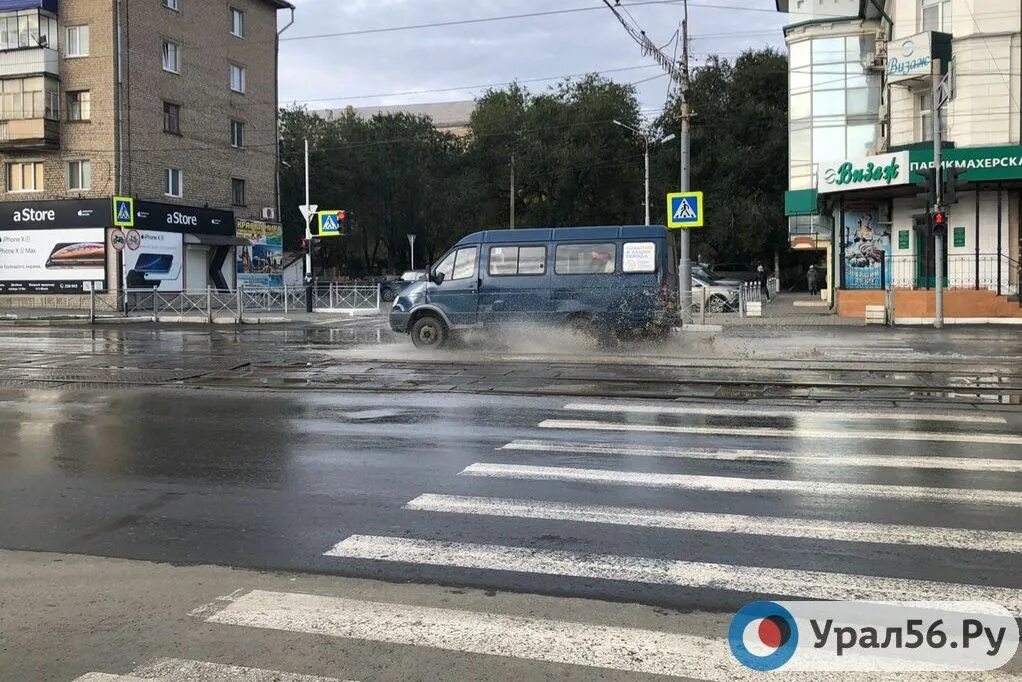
pixel 795 433
pixel 919 536
pixel 180 670
pixel 729 484
pixel 792 413
pixel 740 455
pixel 749 579
pixel 661 652
pixel 553 641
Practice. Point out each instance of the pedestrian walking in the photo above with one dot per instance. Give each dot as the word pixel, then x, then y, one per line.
pixel 811 277
pixel 762 273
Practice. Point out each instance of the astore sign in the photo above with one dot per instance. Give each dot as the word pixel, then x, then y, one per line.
pixel 178 218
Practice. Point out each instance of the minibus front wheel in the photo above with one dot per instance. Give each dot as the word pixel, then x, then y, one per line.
pixel 429 331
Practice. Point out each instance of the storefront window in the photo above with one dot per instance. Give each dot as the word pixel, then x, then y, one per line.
pixel 834 103
pixel 861 140
pixel 801 106
pixel 829 51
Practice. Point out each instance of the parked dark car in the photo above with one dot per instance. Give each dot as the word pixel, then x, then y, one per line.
pixel 740 272
pixel 390 288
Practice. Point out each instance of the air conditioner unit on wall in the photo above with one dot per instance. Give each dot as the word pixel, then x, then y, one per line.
pixel 269 213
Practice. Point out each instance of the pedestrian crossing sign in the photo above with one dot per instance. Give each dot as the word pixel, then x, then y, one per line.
pixel 329 225
pixel 685 210
pixel 124 212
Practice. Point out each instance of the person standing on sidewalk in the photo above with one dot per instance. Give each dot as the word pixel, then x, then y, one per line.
pixel 762 273
pixel 811 277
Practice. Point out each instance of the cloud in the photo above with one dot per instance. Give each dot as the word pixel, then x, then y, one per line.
pixel 373 69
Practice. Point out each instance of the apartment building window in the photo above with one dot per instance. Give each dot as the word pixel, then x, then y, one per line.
pixel 171 4
pixel 173 181
pixel 171 118
pixel 237 23
pixel 237 192
pixel 29 98
pixel 79 105
pixel 25 177
pixel 238 78
pixel 79 175
pixel 925 103
pixel 28 29
pixel 238 134
pixel 936 16
pixel 77 42
pixel 171 56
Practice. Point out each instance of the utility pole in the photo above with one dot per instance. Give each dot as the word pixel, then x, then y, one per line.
pixel 512 190
pixel 308 216
pixel 939 99
pixel 646 141
pixel 684 243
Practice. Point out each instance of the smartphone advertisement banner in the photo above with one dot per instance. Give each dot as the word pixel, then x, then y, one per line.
pixel 52 261
pixel 157 262
pixel 261 263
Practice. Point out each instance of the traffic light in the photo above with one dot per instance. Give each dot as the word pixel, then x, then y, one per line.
pixel 952 185
pixel 928 195
pixel 940 222
pixel 345 220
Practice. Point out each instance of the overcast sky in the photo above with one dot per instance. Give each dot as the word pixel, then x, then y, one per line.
pixel 402 67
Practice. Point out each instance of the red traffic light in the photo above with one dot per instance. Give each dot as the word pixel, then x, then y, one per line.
pixel 939 218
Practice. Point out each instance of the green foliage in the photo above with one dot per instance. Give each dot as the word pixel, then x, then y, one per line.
pixel 739 156
pixel 573 166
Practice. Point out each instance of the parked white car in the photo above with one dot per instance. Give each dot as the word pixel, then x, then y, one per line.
pixel 720 298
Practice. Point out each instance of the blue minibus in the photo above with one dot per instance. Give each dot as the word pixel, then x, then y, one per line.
pixel 600 280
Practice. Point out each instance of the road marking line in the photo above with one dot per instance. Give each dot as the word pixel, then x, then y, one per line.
pixel 793 413
pixel 951 463
pixel 819 585
pixel 744 485
pixel 818 529
pixel 553 641
pixel 798 432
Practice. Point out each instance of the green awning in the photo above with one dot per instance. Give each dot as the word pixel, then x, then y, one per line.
pixel 801 202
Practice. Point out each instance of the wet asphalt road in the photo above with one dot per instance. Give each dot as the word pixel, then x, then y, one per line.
pixel 273 480
pixel 775 470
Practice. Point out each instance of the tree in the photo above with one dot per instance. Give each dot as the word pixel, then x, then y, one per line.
pixel 739 155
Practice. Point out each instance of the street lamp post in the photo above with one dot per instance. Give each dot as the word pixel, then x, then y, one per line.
pixel 647 141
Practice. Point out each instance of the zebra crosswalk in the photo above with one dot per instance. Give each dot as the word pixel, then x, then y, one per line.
pixel 663 492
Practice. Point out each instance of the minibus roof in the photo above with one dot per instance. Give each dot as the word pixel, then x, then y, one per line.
pixel 565 234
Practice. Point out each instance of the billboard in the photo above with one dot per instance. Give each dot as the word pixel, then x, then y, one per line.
pixel 261 263
pixel 867 245
pixel 158 261
pixel 52 261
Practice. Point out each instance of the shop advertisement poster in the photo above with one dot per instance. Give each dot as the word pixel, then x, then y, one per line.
pixel 52 261
pixel 261 263
pixel 867 245
pixel 156 261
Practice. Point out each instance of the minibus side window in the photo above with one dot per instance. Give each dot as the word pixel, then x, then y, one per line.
pixel 515 260
pixel 465 263
pixel 585 259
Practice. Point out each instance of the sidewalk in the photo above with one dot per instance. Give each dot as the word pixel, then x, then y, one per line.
pixel 788 310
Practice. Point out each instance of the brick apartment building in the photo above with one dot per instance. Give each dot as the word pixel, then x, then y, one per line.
pixel 172 103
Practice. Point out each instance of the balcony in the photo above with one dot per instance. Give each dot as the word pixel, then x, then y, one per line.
pixel 31 61
pixel 29 133
pixel 14 5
